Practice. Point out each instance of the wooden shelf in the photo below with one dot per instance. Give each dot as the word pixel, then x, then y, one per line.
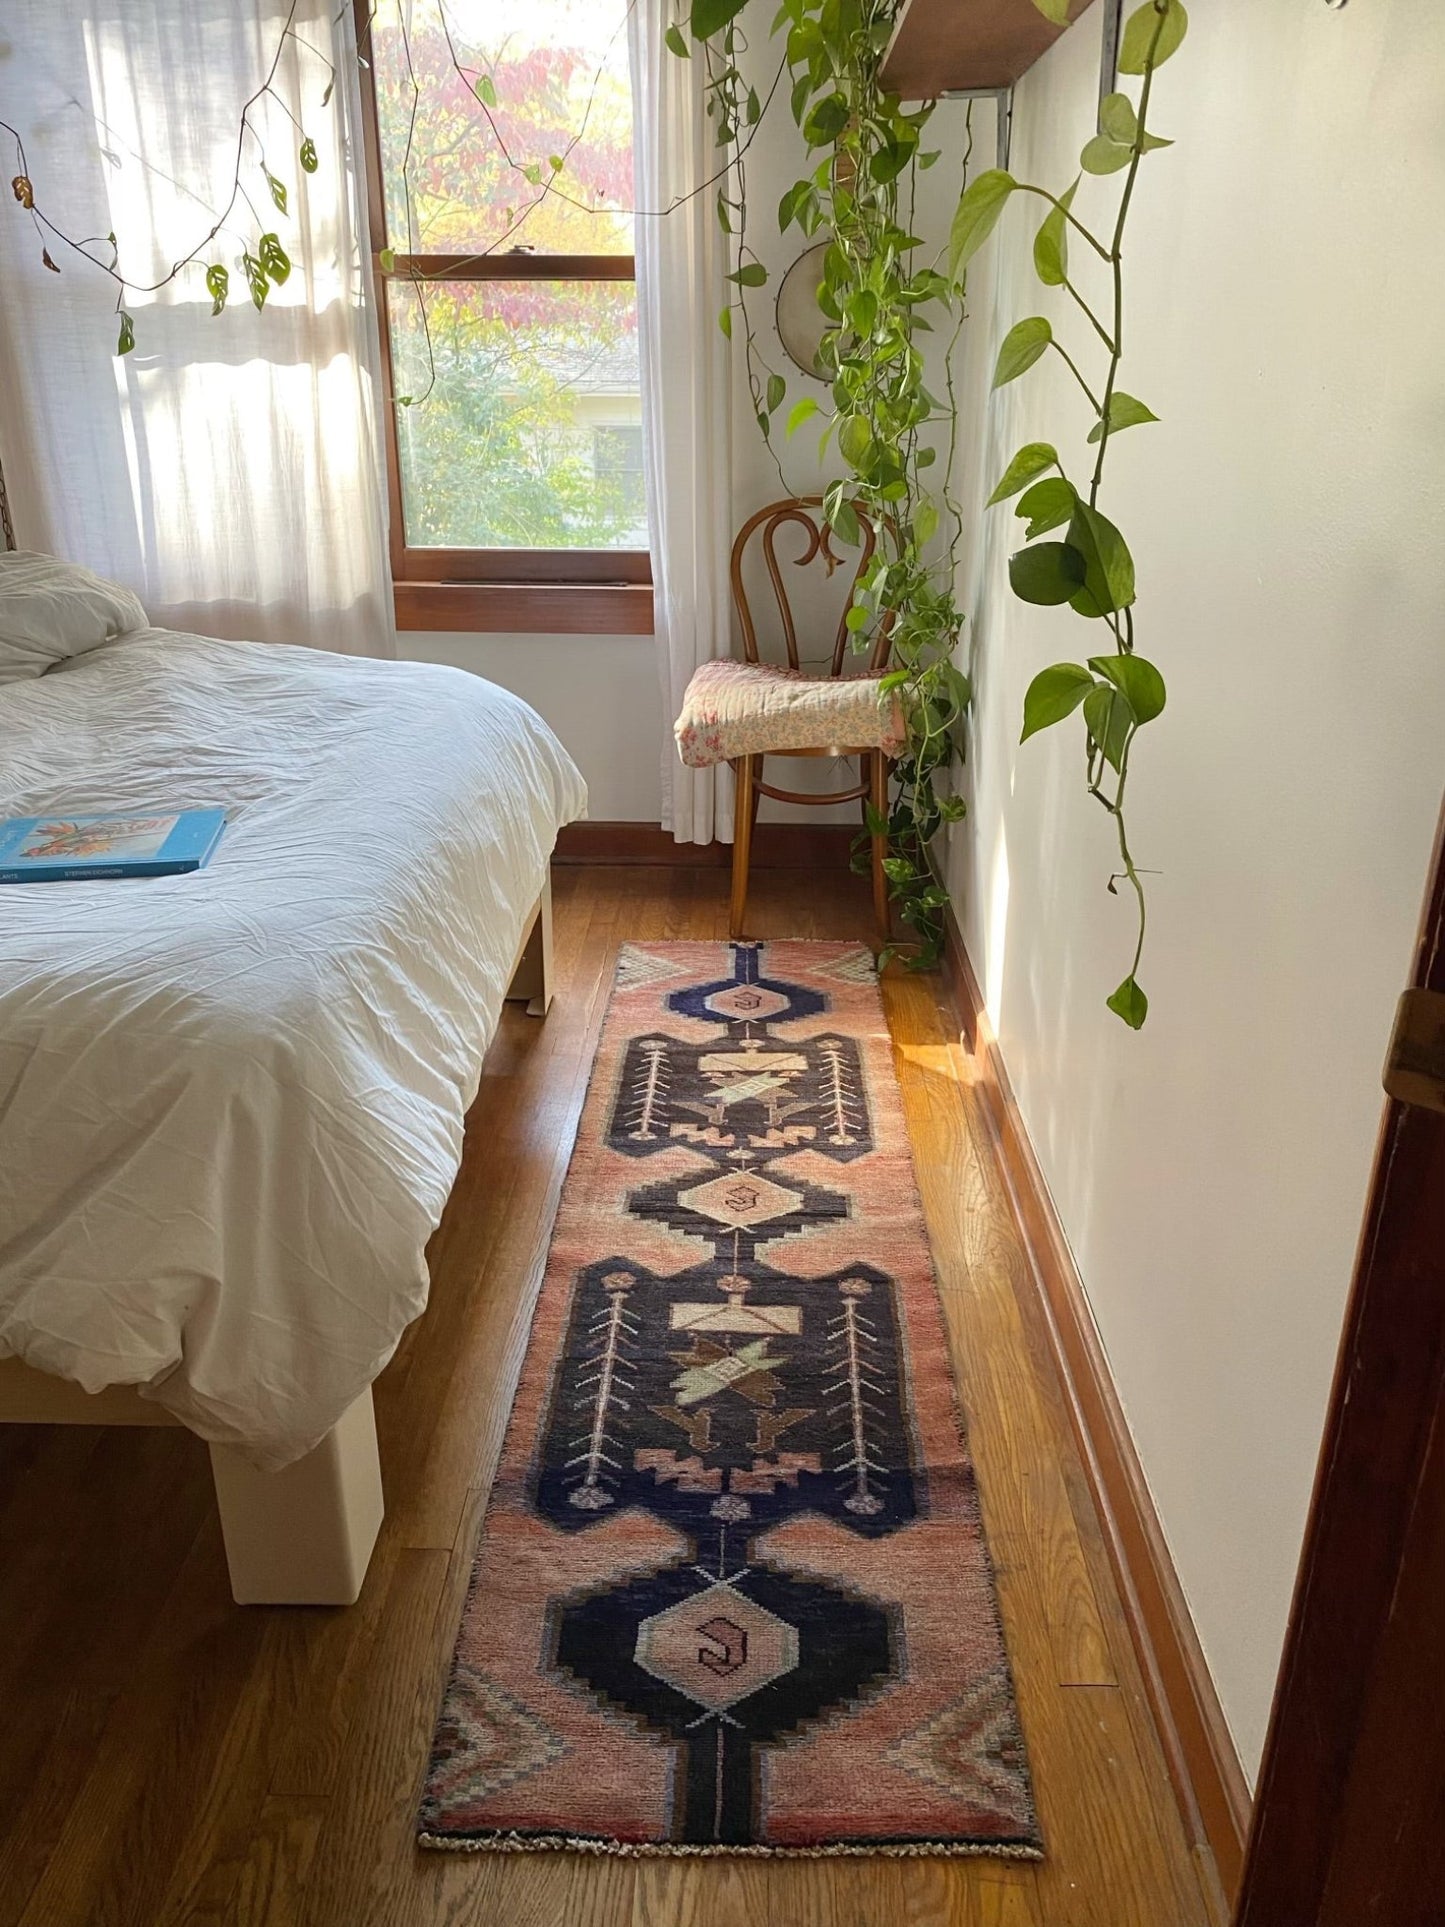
pixel 940 45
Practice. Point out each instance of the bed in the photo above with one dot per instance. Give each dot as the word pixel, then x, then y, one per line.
pixel 231 1103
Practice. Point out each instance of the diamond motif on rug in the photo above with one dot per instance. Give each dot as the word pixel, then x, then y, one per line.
pixel 717 1647
pixel 732 1590
pixel 740 1201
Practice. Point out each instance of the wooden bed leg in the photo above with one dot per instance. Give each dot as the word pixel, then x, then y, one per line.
pixel 303 1536
pixel 532 977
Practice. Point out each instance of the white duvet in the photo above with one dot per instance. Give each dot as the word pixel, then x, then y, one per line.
pixel 231 1103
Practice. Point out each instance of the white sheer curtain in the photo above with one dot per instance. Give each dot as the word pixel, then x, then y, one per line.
pixel 686 414
pixel 229 468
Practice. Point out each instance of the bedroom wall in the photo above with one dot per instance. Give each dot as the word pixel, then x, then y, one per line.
pixel 600 694
pixel 1283 320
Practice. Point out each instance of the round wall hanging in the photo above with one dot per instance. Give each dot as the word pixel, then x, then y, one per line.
pixel 801 322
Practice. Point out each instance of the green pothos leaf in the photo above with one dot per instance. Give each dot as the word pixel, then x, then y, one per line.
pixel 1046 573
pixel 800 412
pixel 976 215
pixel 1109 719
pixel 1139 31
pixel 1130 1003
pixel 1053 694
pixel 845 524
pixel 1137 680
pixel 708 16
pixel 1047 505
pixel 676 44
pixel 1032 459
pixel 127 334
pixel 1124 412
pixel 1051 243
pixel 1117 119
pixel 1021 348
pixel 1102 156
pixel 1108 583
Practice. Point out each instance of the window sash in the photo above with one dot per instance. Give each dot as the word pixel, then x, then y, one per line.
pixel 439 576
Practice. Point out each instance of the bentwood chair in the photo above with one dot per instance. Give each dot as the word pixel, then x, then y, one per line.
pixel 742 712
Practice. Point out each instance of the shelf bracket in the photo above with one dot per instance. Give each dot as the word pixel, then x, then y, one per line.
pixel 1003 100
pixel 1109 50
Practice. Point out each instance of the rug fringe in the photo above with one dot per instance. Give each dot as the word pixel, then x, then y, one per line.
pixel 670 1850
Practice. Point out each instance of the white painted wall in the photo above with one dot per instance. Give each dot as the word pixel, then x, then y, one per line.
pixel 1284 290
pixel 600 694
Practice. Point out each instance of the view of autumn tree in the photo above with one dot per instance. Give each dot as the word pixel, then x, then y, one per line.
pixel 509 126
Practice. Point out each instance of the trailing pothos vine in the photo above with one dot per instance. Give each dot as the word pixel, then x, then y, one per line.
pixel 880 295
pixel 1090 568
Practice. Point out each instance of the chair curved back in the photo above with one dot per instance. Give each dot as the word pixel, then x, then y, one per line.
pixel 819 544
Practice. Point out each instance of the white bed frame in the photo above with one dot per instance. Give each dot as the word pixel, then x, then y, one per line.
pixel 302 1536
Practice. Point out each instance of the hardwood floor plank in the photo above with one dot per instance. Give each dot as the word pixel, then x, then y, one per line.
pixel 702 1893
pixel 1117 1855
pixel 166 1757
pixel 272 1881
pixel 991 1897
pixel 366 1864
pixel 534 1890
pixel 132 1815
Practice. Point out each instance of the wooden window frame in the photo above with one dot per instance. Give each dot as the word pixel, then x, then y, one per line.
pixel 601 592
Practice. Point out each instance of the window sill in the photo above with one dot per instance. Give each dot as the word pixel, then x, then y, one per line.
pixel 539 608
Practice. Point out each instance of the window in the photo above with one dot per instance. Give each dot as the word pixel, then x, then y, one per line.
pixel 500 178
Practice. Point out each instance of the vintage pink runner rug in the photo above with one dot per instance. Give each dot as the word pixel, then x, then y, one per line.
pixel 732 1593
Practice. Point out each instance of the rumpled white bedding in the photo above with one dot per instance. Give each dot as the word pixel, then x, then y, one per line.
pixel 231 1103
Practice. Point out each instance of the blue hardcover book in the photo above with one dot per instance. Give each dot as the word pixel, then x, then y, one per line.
pixel 64 849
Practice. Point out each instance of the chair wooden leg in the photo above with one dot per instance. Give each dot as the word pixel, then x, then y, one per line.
pixel 745 810
pixel 878 796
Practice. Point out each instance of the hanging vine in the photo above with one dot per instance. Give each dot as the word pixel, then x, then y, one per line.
pixel 1090 568
pixel 881 294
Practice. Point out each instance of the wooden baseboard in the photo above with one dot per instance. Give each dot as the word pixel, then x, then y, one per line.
pixel 776 846
pixel 1203 1765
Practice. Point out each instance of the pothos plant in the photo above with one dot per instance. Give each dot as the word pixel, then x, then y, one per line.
pixel 880 291
pixel 1090 568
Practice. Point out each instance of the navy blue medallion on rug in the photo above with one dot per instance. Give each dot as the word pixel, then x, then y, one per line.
pixel 732 1593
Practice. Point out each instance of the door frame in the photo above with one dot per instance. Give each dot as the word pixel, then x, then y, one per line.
pixel 1347 1814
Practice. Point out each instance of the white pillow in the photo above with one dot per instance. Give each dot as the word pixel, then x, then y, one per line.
pixel 50 610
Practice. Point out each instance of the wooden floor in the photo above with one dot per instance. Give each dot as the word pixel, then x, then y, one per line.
pixel 167 1757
